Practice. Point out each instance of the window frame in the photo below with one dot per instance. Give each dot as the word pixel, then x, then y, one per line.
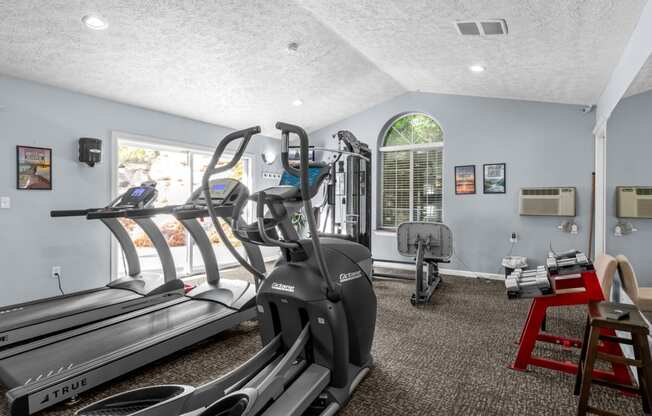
pixel 412 149
pixel 119 137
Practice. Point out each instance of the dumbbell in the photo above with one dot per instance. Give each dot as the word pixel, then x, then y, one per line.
pixel 555 263
pixel 530 279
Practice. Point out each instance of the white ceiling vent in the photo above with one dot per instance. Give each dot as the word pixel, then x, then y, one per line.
pixel 488 27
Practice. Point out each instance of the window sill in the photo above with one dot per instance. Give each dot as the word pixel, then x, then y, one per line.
pixel 385 233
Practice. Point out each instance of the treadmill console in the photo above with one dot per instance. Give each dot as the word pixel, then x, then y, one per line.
pixel 137 197
pixel 223 190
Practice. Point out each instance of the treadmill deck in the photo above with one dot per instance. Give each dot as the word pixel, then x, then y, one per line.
pixel 27 314
pixel 38 364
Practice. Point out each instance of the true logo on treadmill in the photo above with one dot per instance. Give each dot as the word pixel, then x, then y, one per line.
pixel 282 287
pixel 64 391
pixel 347 277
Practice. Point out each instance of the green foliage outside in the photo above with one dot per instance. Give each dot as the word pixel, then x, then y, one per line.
pixel 414 129
pixel 130 154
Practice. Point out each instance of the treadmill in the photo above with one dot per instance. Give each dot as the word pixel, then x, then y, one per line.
pixel 54 369
pixel 31 320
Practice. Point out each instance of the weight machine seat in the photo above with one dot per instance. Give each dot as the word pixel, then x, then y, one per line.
pixel 641 296
pixel 437 240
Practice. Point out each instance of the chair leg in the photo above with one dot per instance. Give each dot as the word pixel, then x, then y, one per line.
pixel 585 341
pixel 642 352
pixel 587 376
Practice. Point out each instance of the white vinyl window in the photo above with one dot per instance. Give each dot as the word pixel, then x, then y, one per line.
pixel 412 171
pixel 177 171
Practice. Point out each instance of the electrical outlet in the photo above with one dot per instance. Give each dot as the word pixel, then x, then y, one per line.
pixel 271 175
pixel 5 202
pixel 56 272
pixel 513 238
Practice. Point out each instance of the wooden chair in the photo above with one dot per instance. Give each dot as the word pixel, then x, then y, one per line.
pixel 594 334
pixel 641 296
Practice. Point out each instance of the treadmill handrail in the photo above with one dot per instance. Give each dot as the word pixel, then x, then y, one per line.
pixel 71 212
pixel 150 212
pixel 212 169
pixel 107 213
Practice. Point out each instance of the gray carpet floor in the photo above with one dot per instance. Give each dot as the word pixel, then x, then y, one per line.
pixel 448 358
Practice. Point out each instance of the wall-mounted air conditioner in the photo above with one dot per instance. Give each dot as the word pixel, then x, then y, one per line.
pixel 634 201
pixel 557 202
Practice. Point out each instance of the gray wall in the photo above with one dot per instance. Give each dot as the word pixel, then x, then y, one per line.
pixel 30 241
pixel 542 144
pixel 629 144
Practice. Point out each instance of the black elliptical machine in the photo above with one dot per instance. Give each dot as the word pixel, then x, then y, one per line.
pixel 317 314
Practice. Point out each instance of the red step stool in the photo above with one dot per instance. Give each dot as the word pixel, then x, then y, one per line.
pixel 573 289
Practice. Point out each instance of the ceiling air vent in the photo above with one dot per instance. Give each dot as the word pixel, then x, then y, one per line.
pixel 488 27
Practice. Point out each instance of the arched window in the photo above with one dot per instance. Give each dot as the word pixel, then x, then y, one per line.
pixel 412 171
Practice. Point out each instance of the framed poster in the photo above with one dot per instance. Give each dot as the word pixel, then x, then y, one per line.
pixel 465 179
pixel 494 181
pixel 33 168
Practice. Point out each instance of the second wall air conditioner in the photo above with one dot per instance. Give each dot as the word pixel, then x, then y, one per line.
pixel 557 202
pixel 634 201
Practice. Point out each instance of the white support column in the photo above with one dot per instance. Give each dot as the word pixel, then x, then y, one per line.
pixel 600 239
pixel 634 56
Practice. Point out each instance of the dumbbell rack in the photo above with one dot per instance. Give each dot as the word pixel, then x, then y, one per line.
pixel 566 275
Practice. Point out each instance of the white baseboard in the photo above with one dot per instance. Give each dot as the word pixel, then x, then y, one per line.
pixel 448 272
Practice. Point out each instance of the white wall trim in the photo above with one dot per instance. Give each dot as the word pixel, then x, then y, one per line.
pixel 600 239
pixel 447 272
pixel 415 147
pixel 634 56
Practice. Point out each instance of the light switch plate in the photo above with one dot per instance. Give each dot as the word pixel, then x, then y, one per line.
pixel 5 202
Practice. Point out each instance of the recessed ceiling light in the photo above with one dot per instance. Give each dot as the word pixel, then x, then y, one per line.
pixel 477 68
pixel 297 103
pixel 292 47
pixel 94 22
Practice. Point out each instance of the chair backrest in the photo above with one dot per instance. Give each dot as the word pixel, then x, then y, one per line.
pixel 605 268
pixel 628 277
pixel 437 240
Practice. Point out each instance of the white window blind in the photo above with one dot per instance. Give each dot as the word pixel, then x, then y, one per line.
pixel 412 171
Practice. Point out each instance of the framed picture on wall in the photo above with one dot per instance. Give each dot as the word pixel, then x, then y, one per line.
pixel 494 178
pixel 465 179
pixel 33 168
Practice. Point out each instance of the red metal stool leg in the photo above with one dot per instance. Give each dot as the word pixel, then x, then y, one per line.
pixel 529 335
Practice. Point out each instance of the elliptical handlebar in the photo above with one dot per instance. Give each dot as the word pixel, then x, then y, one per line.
pixel 333 291
pixel 245 135
pixel 212 169
pixel 262 230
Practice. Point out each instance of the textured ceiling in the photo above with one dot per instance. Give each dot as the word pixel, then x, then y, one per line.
pixel 556 50
pixel 226 61
pixel 643 81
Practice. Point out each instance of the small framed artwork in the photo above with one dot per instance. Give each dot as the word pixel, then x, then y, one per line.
pixel 494 181
pixel 465 179
pixel 33 168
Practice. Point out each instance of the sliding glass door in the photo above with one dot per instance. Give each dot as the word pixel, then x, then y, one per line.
pixel 177 171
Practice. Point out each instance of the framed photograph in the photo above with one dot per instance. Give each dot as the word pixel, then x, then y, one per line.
pixel 33 168
pixel 494 181
pixel 465 179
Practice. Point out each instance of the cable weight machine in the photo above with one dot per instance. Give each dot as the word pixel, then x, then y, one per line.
pixel 345 211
